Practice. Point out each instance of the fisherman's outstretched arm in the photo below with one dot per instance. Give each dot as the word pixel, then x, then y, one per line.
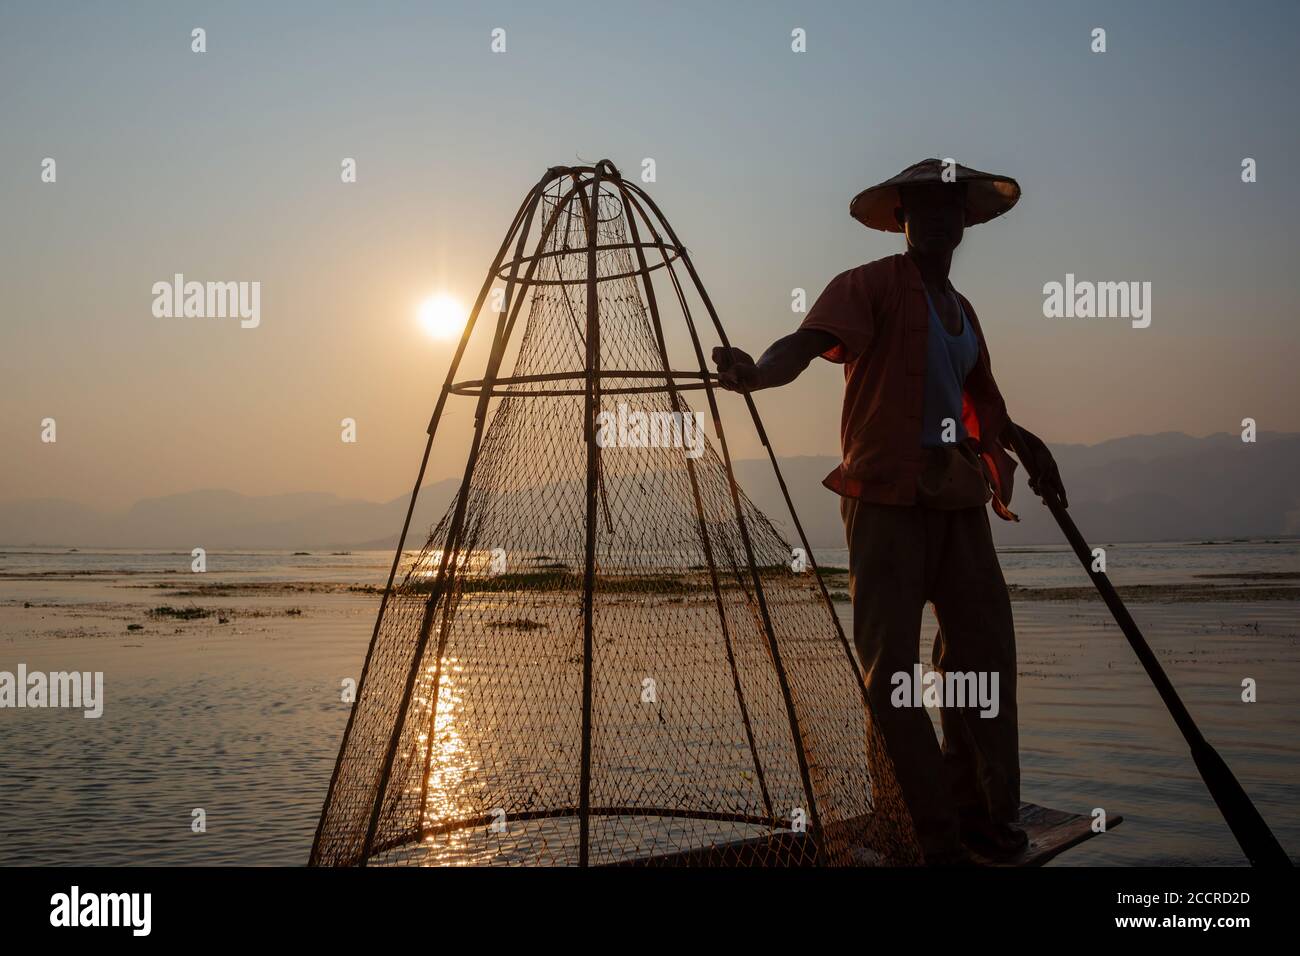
pixel 781 364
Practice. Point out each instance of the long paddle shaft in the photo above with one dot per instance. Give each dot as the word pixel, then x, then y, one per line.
pixel 1252 833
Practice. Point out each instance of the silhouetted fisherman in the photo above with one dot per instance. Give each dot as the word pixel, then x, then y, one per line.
pixel 924 434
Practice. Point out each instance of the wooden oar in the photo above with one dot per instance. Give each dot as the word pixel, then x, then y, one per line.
pixel 1252 833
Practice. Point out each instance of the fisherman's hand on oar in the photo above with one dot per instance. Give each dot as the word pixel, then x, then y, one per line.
pixel 736 370
pixel 1044 476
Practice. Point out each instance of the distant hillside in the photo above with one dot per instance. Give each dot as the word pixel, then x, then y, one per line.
pixel 221 519
pixel 1165 487
pixel 1141 488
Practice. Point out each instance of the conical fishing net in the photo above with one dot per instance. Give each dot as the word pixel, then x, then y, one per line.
pixel 604 653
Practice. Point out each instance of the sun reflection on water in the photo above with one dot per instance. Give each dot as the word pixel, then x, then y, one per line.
pixel 448 758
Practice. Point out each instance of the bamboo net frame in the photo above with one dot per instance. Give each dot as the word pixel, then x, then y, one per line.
pixel 650 679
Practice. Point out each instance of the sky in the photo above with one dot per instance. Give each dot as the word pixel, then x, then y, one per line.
pixel 225 165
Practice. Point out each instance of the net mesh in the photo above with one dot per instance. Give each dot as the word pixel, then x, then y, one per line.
pixel 466 740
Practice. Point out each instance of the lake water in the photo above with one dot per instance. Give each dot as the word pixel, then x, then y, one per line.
pixel 243 719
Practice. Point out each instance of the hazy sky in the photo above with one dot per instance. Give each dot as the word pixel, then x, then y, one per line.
pixel 226 166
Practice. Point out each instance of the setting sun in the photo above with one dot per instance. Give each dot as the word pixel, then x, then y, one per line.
pixel 442 316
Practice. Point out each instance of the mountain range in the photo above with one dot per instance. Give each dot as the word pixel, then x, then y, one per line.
pixel 1168 486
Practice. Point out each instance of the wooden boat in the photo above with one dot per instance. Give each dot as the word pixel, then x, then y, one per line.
pixel 1051 833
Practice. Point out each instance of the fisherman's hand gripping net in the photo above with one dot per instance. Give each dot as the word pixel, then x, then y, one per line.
pixel 604 653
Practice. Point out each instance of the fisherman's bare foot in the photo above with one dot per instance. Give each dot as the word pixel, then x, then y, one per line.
pixel 996 841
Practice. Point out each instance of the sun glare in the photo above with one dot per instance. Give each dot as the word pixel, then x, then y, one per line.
pixel 442 317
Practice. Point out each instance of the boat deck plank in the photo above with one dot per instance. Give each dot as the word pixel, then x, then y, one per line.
pixel 1051 833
